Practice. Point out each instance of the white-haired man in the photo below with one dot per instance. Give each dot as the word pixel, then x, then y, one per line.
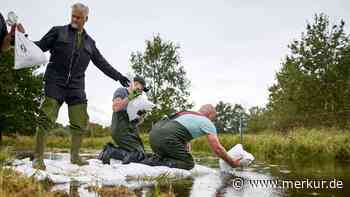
pixel 71 50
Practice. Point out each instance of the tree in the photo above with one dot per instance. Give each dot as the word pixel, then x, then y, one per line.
pixel 229 117
pixel 313 86
pixel 259 119
pixel 160 65
pixel 20 95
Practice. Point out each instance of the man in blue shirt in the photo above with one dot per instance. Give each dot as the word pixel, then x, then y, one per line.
pixel 169 138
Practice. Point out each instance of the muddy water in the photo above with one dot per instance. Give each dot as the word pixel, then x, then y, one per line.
pixel 260 179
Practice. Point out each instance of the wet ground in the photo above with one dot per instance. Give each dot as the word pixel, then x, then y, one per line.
pixel 260 179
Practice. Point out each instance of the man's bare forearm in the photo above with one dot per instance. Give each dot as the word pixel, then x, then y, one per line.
pixel 221 152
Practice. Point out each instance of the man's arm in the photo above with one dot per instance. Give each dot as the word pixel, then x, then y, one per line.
pixel 121 99
pixel 219 150
pixel 4 43
pixel 48 40
pixel 106 68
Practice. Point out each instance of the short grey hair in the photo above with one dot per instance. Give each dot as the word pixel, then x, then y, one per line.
pixel 81 7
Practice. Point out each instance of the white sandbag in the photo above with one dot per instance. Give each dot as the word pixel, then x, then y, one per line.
pixel 139 103
pixel 62 171
pixel 27 54
pixel 12 18
pixel 237 152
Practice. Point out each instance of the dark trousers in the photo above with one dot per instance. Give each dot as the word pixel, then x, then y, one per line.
pixel 168 139
pixel 125 133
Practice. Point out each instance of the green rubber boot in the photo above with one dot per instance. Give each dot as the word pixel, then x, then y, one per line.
pixel 50 108
pixel 74 151
pixel 38 162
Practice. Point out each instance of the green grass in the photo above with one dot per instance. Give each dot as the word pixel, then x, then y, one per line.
pixel 59 142
pixel 301 144
pixel 15 184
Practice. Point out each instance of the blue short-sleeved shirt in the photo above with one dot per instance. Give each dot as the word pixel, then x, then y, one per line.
pixel 196 125
pixel 121 93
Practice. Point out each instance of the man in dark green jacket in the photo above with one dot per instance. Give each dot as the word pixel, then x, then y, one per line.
pixel 71 50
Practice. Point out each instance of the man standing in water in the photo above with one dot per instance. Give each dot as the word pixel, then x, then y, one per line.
pixel 71 50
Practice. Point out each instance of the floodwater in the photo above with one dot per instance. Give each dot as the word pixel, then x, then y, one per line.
pixel 259 179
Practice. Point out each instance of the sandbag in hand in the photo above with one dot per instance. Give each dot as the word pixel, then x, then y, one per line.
pixel 141 112
pixel 245 162
pixel 133 95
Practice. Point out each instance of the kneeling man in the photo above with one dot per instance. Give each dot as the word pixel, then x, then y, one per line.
pixel 125 133
pixel 169 138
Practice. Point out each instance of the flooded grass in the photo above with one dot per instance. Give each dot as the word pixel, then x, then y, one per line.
pixel 163 178
pixel 117 191
pixel 159 193
pixel 16 185
pixel 122 191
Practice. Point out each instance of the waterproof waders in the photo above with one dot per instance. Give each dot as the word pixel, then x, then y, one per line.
pixel 50 108
pixel 126 136
pixel 168 140
pixel 78 119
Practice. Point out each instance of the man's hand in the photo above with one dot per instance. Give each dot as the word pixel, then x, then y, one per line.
pixel 6 43
pixel 245 162
pixel 20 28
pixel 141 112
pixel 124 81
pixel 133 94
pixel 188 147
pixel 236 162
pixel 221 152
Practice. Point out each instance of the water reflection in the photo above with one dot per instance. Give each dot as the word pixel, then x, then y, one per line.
pixel 73 189
pixel 221 184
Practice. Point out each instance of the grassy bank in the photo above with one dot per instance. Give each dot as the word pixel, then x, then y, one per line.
pixel 301 144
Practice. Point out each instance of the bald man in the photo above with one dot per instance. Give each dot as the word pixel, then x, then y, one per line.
pixel 169 138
